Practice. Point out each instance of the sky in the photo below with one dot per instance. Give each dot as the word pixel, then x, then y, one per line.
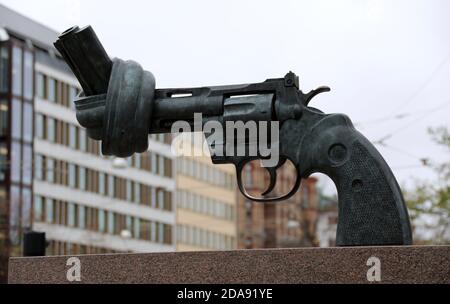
pixel 387 62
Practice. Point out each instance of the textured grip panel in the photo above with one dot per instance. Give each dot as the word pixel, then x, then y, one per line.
pixel 371 206
pixel 368 211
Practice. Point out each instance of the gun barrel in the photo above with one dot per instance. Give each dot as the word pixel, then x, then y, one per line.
pixel 87 58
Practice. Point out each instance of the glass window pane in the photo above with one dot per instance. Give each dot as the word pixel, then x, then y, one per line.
pixel 101 220
pixel 82 141
pixel 39 126
pixel 38 167
pixel 27 164
pixel 4 117
pixel 51 89
pixel 28 75
pixel 72 94
pixel 51 135
pixel 14 215
pixel 73 136
pixel 111 222
pixel 40 85
pixel 3 162
pixel 26 208
pixel 128 190
pixel 50 170
pixel 81 217
pixel 38 208
pixel 72 176
pixel 110 185
pixel 137 225
pixel 154 162
pixel 137 192
pixel 82 178
pixel 17 71
pixel 101 183
pixel 161 165
pixel 27 122
pixel 15 161
pixel 49 210
pixel 4 69
pixel 16 119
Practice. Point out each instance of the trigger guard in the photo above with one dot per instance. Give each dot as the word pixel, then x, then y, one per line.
pixel 239 168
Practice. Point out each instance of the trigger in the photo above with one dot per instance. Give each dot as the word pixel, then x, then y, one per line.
pixel 273 180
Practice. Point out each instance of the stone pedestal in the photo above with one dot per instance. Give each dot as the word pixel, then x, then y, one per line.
pixel 405 264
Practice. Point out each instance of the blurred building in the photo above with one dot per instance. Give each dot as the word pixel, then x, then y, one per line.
pixel 290 223
pixel 53 178
pixel 328 219
pixel 206 204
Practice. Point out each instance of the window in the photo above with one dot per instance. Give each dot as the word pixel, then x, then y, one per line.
pixel 129 190
pixel 161 199
pixel 72 94
pixel 82 217
pixel 51 134
pixel 137 226
pixel 4 119
pixel 38 208
pixel 16 119
pixel 49 210
pixel 82 178
pixel 72 176
pixel 111 222
pixel 40 85
pixel 71 215
pixel 153 230
pixel 101 183
pixel 50 170
pixel 154 163
pixel 27 164
pixel 28 75
pixel 39 126
pixel 26 208
pixel 14 215
pixel 15 161
pixel 101 220
pixel 72 136
pixel 38 166
pixel 27 122
pixel 137 160
pixel 4 69
pixel 110 185
pixel 17 71
pixel 82 140
pixel 51 89
pixel 161 165
pixel 137 192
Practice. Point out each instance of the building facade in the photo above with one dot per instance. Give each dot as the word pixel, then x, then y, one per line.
pixel 290 223
pixel 206 203
pixel 53 178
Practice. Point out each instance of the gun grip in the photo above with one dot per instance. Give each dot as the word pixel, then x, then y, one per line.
pixel 371 206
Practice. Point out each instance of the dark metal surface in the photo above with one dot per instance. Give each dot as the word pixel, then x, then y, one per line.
pixel 121 106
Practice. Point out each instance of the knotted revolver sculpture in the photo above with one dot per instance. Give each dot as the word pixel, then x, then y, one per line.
pixel 120 106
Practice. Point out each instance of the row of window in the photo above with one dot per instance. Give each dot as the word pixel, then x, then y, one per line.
pixel 205 205
pixel 22 71
pixel 67 248
pixel 55 91
pixel 205 172
pixel 68 174
pixel 78 216
pixel 204 238
pixel 72 136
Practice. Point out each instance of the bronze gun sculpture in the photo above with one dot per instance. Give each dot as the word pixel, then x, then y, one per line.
pixel 120 106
